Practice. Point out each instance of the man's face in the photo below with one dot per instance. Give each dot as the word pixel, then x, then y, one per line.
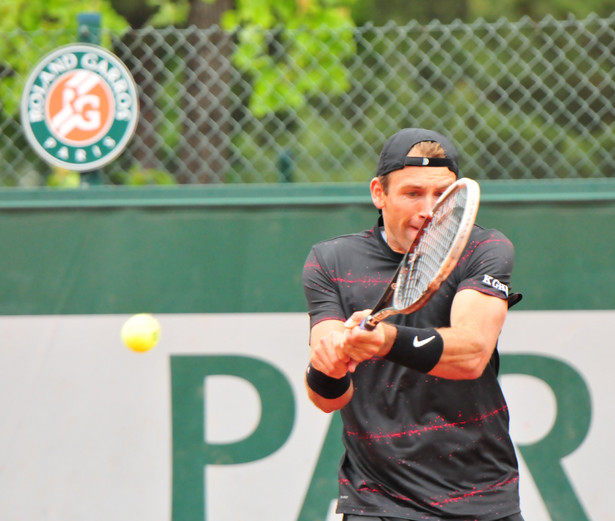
pixel 411 194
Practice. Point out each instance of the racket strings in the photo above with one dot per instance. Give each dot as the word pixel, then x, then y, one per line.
pixel 432 251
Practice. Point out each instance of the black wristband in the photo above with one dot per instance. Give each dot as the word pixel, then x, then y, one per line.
pixel 326 386
pixel 416 348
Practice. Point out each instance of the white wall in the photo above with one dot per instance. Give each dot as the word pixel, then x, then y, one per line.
pixel 86 424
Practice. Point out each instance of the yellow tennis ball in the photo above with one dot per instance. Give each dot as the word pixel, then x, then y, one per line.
pixel 141 332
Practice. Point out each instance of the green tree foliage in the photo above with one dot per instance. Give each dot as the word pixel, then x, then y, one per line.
pixel 403 11
pixel 49 24
pixel 304 56
pixel 537 9
pixel 51 15
pixel 446 11
pixel 139 13
pixel 299 63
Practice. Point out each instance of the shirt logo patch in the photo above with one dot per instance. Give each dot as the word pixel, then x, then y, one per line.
pixel 488 280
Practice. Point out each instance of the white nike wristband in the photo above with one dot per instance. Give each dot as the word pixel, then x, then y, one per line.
pixel 417 348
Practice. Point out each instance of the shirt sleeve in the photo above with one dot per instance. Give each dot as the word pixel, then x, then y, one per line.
pixel 488 264
pixel 320 290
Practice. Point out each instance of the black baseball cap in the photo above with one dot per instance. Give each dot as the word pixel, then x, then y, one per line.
pixel 394 155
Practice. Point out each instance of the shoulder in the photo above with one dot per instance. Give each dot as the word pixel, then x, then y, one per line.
pixel 345 240
pixel 489 240
pixel 343 245
pixel 481 233
pixel 487 263
pixel 330 254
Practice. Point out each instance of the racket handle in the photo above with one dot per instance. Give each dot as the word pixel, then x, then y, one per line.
pixel 368 323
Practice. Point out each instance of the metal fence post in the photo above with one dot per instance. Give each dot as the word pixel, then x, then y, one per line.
pixel 89 27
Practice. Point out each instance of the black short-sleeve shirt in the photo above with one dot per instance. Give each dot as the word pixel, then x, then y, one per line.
pixel 417 446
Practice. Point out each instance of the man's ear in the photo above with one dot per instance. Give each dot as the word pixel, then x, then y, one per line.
pixel 377 192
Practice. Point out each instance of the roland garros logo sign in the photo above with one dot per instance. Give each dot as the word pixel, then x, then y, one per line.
pixel 79 108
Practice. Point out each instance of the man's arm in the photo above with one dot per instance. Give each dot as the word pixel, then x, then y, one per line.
pixel 327 356
pixel 476 322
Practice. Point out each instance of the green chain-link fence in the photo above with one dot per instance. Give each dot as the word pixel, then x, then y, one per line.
pixel 522 100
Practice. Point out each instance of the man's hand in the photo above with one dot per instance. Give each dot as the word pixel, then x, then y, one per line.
pixel 360 345
pixel 328 356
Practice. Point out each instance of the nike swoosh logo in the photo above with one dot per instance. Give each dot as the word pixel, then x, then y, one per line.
pixel 420 343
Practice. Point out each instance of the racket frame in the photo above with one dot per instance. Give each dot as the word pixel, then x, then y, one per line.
pixel 380 310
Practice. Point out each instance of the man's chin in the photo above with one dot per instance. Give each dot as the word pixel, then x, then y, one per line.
pixel 403 248
pixel 410 239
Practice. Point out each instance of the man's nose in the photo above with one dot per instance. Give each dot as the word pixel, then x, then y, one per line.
pixel 427 204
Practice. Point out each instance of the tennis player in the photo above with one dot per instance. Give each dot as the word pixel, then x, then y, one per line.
pixel 425 423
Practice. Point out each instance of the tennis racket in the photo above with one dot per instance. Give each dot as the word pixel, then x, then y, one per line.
pixel 432 255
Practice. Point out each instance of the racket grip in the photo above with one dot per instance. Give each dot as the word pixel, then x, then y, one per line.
pixel 367 324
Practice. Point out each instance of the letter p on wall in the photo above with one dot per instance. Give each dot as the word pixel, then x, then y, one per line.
pixel 192 452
